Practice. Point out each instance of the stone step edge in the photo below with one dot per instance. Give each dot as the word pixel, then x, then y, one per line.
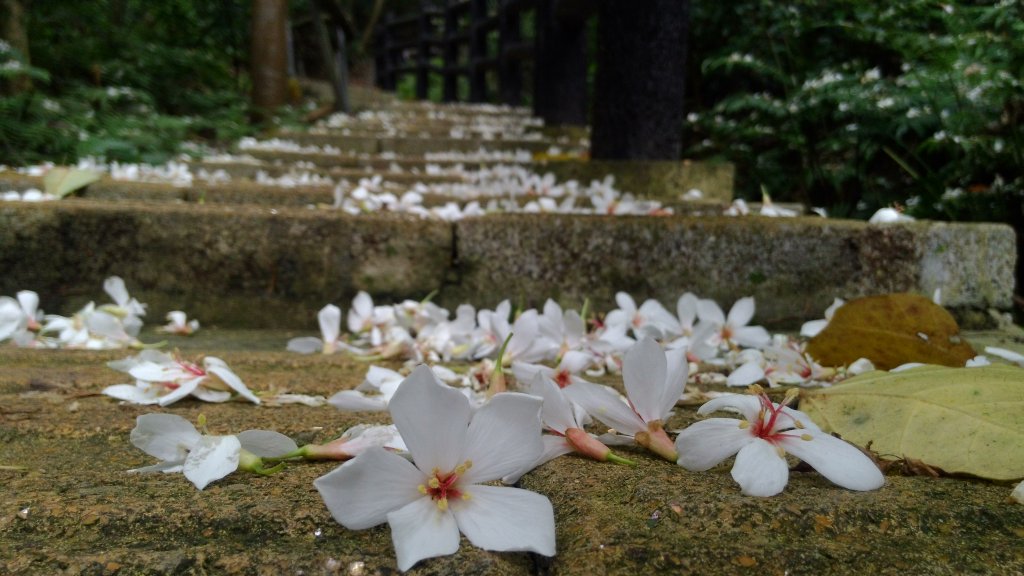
pixel 224 263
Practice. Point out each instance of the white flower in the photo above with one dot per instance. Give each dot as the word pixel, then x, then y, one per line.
pixel 178 323
pixel 164 379
pixel 811 328
pixel 654 379
pixel 126 308
pixel 329 318
pixel 651 319
pixel 889 215
pixel 204 458
pixel 19 319
pixel 733 330
pixel 559 415
pixel 428 502
pixel 760 441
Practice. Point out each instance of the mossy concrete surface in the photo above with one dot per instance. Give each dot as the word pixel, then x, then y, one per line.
pixel 793 266
pixel 411 146
pixel 660 180
pixel 68 505
pixel 277 168
pixel 231 265
pixel 346 160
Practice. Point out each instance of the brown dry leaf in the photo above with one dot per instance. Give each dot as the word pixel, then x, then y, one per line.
pixel 891 330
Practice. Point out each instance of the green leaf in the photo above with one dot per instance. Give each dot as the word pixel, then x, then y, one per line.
pixel 962 420
pixel 61 181
pixel 890 330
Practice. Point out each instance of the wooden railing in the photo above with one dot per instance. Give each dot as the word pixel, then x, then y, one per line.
pixel 457 39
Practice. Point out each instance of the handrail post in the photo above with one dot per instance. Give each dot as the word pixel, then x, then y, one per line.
pixel 451 53
pixel 423 52
pixel 477 51
pixel 510 77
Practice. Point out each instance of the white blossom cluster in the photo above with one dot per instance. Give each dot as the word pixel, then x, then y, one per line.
pixel 496 189
pixel 103 327
pixel 724 344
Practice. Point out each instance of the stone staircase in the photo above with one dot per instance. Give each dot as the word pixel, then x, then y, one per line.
pixel 227 243
pixel 238 254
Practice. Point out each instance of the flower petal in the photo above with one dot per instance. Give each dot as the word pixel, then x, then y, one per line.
pixel 606 405
pixel 420 530
pixel 329 319
pixel 165 436
pixel 676 370
pixel 752 337
pixel 214 396
pixel 432 418
pixel 356 401
pixel 220 369
pixel 554 446
pixel 361 492
pixel 503 437
pixel 835 459
pixel 115 288
pixel 811 328
pixel 266 443
pixel 507 519
pixel 741 313
pixel 557 413
pixel 709 311
pixel 305 345
pixel 134 393
pixel 747 405
pixel 759 470
pixel 746 374
pixel 184 389
pixel 706 443
pixel 643 374
pixel 213 458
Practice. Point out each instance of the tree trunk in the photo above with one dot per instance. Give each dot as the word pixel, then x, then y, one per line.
pixel 12 31
pixel 638 95
pixel 269 54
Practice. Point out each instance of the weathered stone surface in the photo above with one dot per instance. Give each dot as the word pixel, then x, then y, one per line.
pixel 793 266
pixel 237 266
pixel 412 146
pixel 241 170
pixel 652 179
pixel 367 161
pixel 69 506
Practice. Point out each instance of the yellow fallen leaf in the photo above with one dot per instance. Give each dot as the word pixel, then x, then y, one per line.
pixel 961 420
pixel 890 330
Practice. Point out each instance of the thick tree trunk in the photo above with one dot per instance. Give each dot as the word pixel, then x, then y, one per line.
pixel 269 54
pixel 638 97
pixel 560 64
pixel 12 31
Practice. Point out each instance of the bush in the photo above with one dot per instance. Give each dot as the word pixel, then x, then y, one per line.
pixel 857 105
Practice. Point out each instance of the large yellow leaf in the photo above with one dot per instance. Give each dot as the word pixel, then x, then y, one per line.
pixel 962 420
pixel 60 181
pixel 890 330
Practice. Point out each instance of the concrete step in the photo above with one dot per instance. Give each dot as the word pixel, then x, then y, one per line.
pixel 70 507
pixel 416 145
pixel 253 266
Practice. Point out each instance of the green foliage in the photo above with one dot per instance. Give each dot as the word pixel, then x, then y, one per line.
pixel 129 80
pixel 856 105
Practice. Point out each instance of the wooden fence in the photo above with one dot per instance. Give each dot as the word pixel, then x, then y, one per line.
pixel 458 39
